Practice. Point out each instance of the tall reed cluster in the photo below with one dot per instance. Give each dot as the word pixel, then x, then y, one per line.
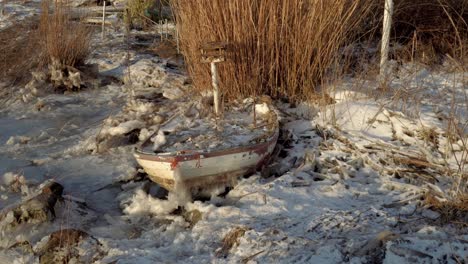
pixel 61 38
pixel 432 27
pixel 281 48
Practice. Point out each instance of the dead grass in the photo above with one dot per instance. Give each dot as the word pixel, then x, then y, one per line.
pixel 454 210
pixel 429 135
pixel 18 51
pixel 35 43
pixel 427 30
pixel 62 39
pixel 230 240
pixel 279 48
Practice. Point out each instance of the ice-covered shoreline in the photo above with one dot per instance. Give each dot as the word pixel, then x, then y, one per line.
pixel 336 197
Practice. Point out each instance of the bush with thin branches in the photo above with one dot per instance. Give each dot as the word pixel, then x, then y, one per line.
pixel 61 38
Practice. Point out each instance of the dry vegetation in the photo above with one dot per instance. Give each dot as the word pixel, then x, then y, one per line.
pixel 143 13
pixel 283 49
pixel 288 50
pixel 61 38
pixel 18 51
pixel 36 43
pixel 431 29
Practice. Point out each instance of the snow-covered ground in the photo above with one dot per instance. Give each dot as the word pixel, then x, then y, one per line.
pixel 17 11
pixel 345 187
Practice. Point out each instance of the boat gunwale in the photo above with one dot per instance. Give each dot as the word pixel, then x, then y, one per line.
pixel 260 147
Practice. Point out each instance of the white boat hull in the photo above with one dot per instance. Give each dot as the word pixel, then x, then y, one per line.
pixel 201 170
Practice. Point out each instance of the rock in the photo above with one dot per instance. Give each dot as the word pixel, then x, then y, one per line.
pixel 37 209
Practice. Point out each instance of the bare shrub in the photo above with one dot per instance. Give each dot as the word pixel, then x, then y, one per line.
pixel 280 48
pixel 62 39
pixel 18 51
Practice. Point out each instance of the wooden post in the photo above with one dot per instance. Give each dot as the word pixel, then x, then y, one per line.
pixel 2 8
pixel 177 39
pixel 161 29
pixel 213 53
pixel 215 82
pixel 103 19
pixel 387 25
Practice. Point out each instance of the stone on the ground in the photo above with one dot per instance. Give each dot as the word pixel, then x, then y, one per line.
pixel 35 210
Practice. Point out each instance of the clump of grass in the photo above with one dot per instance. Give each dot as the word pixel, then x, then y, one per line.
pixel 230 240
pixel 61 38
pixel 453 210
pixel 143 13
pixel 429 135
pixel 280 48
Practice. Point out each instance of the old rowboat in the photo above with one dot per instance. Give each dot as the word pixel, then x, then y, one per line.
pixel 202 169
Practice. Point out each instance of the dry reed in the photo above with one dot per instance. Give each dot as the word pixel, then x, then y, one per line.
pixel 280 48
pixel 18 51
pixel 61 38
pixel 431 29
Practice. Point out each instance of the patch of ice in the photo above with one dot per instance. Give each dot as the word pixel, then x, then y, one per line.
pixel 124 128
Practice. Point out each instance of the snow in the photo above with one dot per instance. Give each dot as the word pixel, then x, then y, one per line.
pixel 337 194
pixel 8 178
pixel 262 109
pixel 143 204
pixel 124 128
pixel 159 140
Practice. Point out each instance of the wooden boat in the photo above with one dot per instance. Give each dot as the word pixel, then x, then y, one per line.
pixel 202 169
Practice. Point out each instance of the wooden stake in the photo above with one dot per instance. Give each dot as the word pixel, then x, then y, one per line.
pixel 387 25
pixel 254 114
pixel 177 40
pixel 161 29
pixel 215 82
pixel 103 19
